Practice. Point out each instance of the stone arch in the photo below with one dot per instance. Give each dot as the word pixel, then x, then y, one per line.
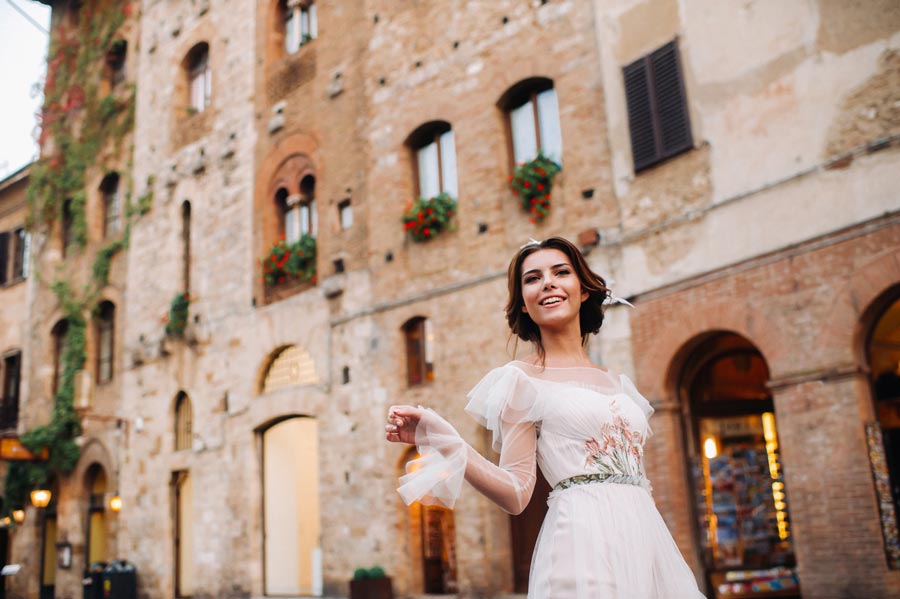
pixel 292 364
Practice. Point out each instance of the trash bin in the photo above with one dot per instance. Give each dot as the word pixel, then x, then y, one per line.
pixel 120 580
pixel 93 581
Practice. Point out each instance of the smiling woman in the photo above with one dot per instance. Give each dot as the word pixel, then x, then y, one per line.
pixel 585 426
pixel 23 34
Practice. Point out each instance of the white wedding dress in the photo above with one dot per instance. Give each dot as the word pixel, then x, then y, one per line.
pixel 602 537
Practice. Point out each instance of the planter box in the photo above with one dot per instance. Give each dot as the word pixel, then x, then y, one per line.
pixel 371 588
pixel 279 291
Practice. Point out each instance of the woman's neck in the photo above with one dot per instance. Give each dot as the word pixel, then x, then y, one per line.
pixel 564 348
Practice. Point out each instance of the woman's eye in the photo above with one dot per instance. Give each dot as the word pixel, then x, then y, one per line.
pixel 563 271
pixel 530 279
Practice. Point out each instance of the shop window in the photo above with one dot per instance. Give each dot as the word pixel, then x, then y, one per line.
pixel 434 152
pixel 105 320
pixel 532 118
pixel 741 501
pixel 288 367
pixel 199 76
pixel 115 62
pixel 12 377
pixel 301 23
pixel 419 347
pixel 657 107
pixel 112 217
pixel 883 353
pixel 60 334
pixel 184 422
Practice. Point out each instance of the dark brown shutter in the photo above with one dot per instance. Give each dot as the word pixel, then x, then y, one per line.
pixel 671 103
pixel 4 257
pixel 657 107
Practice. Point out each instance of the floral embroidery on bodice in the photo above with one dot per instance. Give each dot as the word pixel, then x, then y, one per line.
pixel 619 449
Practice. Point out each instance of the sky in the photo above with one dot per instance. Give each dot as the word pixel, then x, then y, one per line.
pixel 23 53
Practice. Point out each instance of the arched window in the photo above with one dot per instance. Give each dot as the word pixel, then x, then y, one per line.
pixel 109 189
pixel 184 422
pixel 299 210
pixel 434 159
pixel 419 348
pixel 60 335
pixel 199 77
pixel 105 320
pixel 289 366
pixel 301 23
pixel 532 118
pixel 115 62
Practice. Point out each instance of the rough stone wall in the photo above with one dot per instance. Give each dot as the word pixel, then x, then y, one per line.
pixel 793 309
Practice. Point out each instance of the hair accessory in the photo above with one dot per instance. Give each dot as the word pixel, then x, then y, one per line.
pixel 531 241
pixel 613 299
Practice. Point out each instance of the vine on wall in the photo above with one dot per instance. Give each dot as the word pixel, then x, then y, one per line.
pixel 80 131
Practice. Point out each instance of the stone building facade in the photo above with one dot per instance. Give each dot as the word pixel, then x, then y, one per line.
pixel 247 445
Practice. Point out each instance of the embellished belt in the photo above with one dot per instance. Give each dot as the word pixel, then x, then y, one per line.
pixel 593 478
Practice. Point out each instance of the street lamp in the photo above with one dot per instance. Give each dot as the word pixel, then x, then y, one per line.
pixel 115 503
pixel 40 498
pixel 18 516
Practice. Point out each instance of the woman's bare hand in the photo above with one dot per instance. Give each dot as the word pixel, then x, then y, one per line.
pixel 402 423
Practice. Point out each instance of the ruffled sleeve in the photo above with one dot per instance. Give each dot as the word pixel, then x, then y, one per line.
pixel 629 388
pixel 506 403
pixel 506 396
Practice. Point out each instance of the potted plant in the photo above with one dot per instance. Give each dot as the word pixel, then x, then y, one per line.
pixel 290 261
pixel 371 583
pixel 425 219
pixel 531 183
pixel 176 320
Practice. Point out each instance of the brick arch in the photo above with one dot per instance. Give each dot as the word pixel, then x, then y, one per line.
pixel 657 365
pixel 858 305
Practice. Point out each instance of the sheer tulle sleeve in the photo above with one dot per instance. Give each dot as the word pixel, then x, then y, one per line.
pixel 505 401
pixel 632 392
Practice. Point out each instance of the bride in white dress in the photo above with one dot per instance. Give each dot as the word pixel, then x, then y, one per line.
pixel 583 426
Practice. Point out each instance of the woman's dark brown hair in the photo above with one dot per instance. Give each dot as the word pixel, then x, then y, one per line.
pixel 591 315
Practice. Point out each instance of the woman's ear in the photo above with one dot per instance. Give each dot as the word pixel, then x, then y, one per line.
pixel 585 294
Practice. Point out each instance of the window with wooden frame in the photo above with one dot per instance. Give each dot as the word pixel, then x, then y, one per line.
pixel 301 23
pixel 66 225
pixel 184 422
pixel 345 214
pixel 532 120
pixel 298 211
pixel 60 334
pixel 419 348
pixel 5 238
pixel 199 76
pixel 105 322
pixel 658 116
pixel 109 189
pixel 21 244
pixel 12 376
pixel 434 159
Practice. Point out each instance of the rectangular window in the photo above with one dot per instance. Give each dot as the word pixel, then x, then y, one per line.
pixel 9 407
pixel 535 127
pixel 448 164
pixel 292 225
pixel 345 210
pixel 429 175
pixel 292 30
pixel 524 135
pixel 548 125
pixel 309 24
pixel 657 107
pixel 201 85
pixel 105 353
pixel 21 245
pixel 111 206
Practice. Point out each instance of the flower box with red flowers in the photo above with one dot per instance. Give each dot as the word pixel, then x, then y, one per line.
pixel 425 219
pixel 288 262
pixel 531 183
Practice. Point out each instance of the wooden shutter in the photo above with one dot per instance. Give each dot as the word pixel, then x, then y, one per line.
pixel 4 257
pixel 657 107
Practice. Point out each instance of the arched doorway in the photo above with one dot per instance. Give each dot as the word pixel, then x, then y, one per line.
pixel 291 521
pixel 740 498
pixel 432 537
pixel 883 358
pixel 96 537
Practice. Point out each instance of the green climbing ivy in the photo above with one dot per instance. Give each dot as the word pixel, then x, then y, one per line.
pixel 79 130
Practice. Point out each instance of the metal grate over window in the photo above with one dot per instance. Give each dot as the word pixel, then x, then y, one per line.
pixel 292 366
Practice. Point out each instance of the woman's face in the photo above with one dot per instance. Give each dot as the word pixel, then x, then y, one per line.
pixel 551 290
